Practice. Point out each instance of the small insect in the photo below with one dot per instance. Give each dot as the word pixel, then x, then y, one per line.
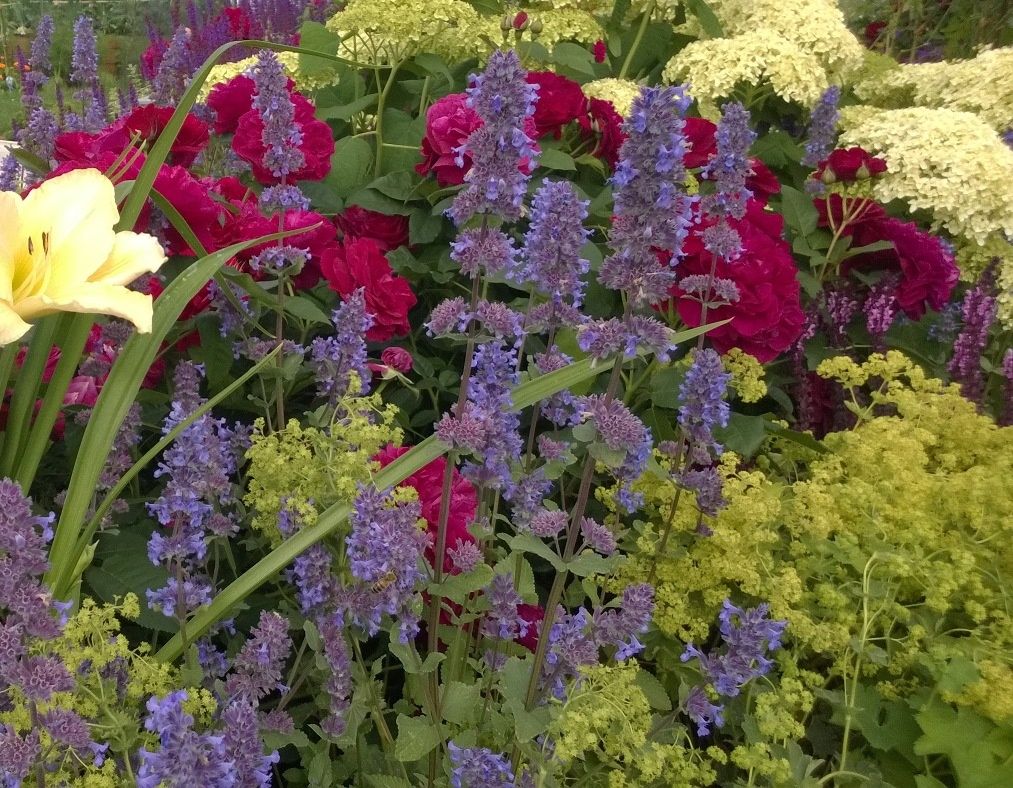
pixel 383 583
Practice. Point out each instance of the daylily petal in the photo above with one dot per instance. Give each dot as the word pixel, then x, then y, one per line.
pixel 104 299
pixel 12 327
pixel 78 211
pixel 10 210
pixel 133 254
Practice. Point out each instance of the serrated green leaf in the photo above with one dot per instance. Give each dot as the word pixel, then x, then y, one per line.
pixel 653 690
pixel 590 563
pixel 799 212
pixel 416 736
pixel 744 434
pixel 462 703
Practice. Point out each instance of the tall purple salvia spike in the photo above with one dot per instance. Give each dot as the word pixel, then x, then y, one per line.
pixel 478 767
pixel 84 58
pixel 979 311
pixel 652 210
pixel 174 71
pixel 729 168
pixel 40 65
pixel 822 128
pixel 501 151
pixel 282 136
pixel 257 668
pixel 10 174
pixel 551 255
pixel 243 746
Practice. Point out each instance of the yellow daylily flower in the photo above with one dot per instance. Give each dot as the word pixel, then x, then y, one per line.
pixel 60 253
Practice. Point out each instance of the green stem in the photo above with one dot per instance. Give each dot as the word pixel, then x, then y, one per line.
pixel 26 389
pixel 648 12
pixel 8 355
pixel 380 105
pixel 72 337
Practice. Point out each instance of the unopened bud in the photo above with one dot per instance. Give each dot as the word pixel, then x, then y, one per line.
pixel 536 27
pixel 506 23
pixel 828 176
pixel 520 21
pixel 863 173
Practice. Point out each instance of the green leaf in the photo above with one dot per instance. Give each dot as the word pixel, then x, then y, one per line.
pixel 305 309
pixel 423 227
pixel 590 563
pixel 346 111
pixel 387 781
pixel 574 57
pixel 529 543
pixel 799 212
pixel 705 14
pixel 553 159
pixel 777 149
pixel 461 703
pixel 456 588
pixel 351 166
pixel 313 35
pixel 123 570
pixel 744 434
pixel 410 658
pixel 401 186
pixel 416 736
pixel 801 438
pixel 435 65
pixel 653 690
pixel 965 738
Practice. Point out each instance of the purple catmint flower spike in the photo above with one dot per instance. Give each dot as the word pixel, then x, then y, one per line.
pixel 822 128
pixel 729 167
pixel 39 134
pixel 702 405
pixel 272 100
pixel 978 312
pixel 501 151
pixel 257 668
pixel 336 358
pixel 40 66
pixel 243 746
pixel 551 260
pixel 173 71
pixel 185 757
pixel 84 58
pixel 478 767
pixel 652 210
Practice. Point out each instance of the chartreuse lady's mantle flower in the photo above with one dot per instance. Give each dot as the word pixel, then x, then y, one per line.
pixel 60 253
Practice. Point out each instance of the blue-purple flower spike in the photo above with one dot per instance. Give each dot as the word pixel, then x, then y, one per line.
pixel 822 128
pixel 478 767
pixel 652 209
pixel 729 168
pixel 272 100
pixel 500 149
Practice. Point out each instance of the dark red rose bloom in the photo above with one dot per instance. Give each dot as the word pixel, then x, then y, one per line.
pixel 599 51
pixel 700 141
pixel 87 149
pixel 230 101
pixel 873 31
pixel 230 189
pixel 762 182
pixel 927 269
pixel 190 197
pixel 603 122
pixel 449 123
pixel 359 262
pixel 389 231
pixel 150 121
pixel 532 615
pixel 844 165
pixel 428 482
pixel 560 101
pixel 397 358
pixel 768 317
pixel 317 144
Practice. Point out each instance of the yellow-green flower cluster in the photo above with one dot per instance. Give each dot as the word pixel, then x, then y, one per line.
pixel 663 765
pixel 747 375
pixel 797 47
pixel 982 85
pixel 223 72
pixel 388 31
pixel 560 23
pixel 974 258
pixel 620 92
pixel 949 163
pixel 303 470
pixel 606 713
pixel 906 507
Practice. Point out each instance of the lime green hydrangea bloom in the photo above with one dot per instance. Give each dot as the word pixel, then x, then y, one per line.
pixel 982 85
pixel 620 92
pixel 797 47
pixel 389 31
pixel 949 163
